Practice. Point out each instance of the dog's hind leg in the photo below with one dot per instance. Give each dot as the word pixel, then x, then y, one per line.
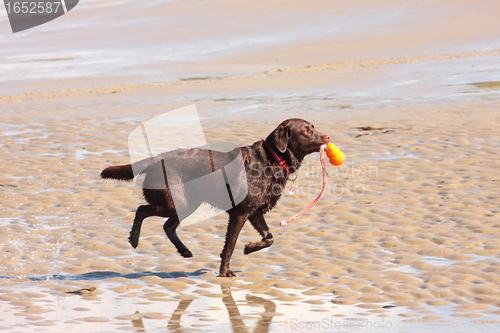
pixel 169 227
pixel 142 213
pixel 259 223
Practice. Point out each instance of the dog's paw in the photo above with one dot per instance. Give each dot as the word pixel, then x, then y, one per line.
pixel 248 248
pixel 186 254
pixel 227 273
pixel 134 241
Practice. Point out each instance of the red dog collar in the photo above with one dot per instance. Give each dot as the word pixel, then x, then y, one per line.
pixel 280 161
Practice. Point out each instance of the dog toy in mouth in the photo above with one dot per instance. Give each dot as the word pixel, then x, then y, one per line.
pixel 336 158
pixel 335 155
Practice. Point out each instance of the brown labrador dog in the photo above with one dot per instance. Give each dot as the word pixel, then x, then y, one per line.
pixel 265 180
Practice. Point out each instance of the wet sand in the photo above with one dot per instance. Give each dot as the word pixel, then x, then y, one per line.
pixel 406 232
pixel 410 220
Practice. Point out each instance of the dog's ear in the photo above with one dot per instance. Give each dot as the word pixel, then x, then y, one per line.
pixel 281 136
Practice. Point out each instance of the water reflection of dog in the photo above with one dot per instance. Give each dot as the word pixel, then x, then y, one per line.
pixel 235 317
pixel 237 324
pixel 174 324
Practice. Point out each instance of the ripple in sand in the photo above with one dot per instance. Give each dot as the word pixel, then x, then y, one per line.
pixel 94 319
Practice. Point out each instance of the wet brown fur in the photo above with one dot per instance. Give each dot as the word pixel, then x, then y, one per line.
pixel 293 139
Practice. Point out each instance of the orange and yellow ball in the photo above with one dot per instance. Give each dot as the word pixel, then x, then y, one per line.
pixel 334 154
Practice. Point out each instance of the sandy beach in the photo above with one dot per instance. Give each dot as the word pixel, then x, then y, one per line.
pixel 406 233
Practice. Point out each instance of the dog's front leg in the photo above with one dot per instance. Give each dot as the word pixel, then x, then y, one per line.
pixel 259 223
pixel 233 230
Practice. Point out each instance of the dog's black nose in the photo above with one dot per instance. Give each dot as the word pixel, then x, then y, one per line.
pixel 326 138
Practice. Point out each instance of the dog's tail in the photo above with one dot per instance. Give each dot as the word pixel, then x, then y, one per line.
pixel 119 172
pixel 126 172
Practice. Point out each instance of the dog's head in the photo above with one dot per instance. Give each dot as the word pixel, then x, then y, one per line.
pixel 299 136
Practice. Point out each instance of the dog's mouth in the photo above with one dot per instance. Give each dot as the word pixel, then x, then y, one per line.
pixel 314 148
pixel 315 145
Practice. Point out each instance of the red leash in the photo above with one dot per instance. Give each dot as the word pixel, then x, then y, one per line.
pixel 315 201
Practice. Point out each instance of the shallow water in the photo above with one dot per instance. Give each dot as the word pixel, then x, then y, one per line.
pixel 188 45
pixel 199 307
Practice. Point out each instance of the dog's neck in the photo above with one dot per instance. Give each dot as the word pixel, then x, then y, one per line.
pixel 293 161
